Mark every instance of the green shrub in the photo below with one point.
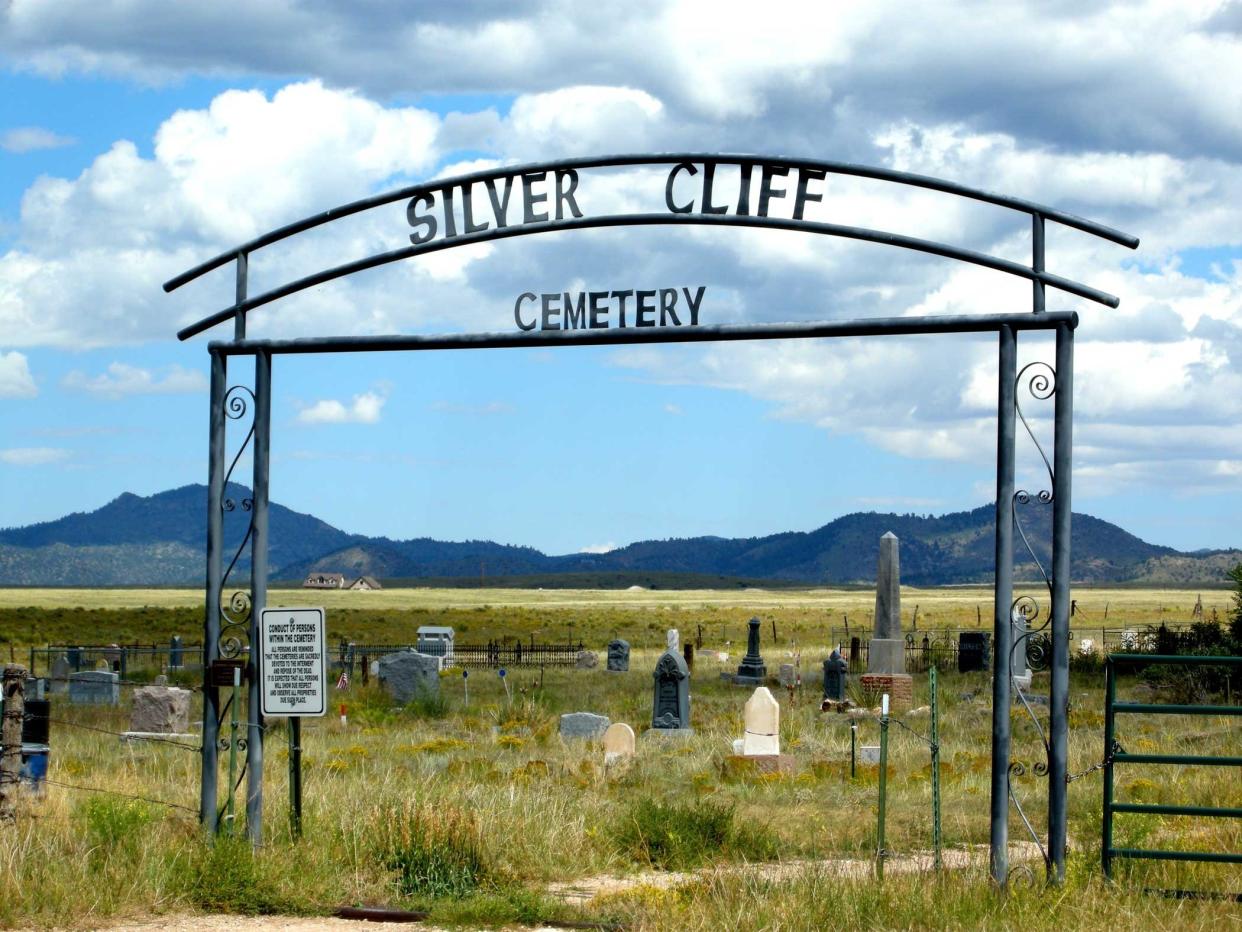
(672, 835)
(114, 824)
(224, 876)
(433, 852)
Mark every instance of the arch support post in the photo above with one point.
(258, 589)
(215, 578)
(1002, 632)
(1058, 704)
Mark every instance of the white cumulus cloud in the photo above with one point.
(362, 409)
(15, 378)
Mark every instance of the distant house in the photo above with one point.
(324, 581)
(365, 582)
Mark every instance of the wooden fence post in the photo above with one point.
(14, 691)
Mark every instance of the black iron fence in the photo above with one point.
(126, 659)
(492, 655)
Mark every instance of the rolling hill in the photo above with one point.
(159, 540)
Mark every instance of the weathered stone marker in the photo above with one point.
(618, 743)
(759, 750)
(1019, 665)
(886, 654)
(407, 674)
(618, 656)
(94, 687)
(61, 668)
(586, 660)
(762, 722)
(836, 673)
(788, 675)
(670, 707)
(584, 725)
(160, 710)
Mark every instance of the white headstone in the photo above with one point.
(618, 743)
(763, 724)
(674, 639)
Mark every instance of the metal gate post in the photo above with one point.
(1007, 375)
(1058, 704)
(215, 575)
(258, 589)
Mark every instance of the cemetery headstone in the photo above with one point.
(836, 673)
(759, 750)
(974, 651)
(586, 660)
(618, 656)
(886, 654)
(61, 668)
(751, 671)
(1018, 665)
(94, 687)
(75, 658)
(869, 753)
(762, 718)
(687, 654)
(855, 655)
(584, 725)
(175, 654)
(618, 743)
(407, 674)
(670, 706)
(160, 710)
(788, 675)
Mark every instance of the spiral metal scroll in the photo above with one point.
(235, 611)
(1041, 381)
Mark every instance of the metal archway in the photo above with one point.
(551, 204)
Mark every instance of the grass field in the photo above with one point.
(802, 617)
(475, 811)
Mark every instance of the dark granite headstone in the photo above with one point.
(175, 661)
(618, 655)
(407, 674)
(836, 671)
(752, 669)
(974, 651)
(670, 707)
(687, 654)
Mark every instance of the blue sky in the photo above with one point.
(137, 139)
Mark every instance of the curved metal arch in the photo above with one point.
(1034, 274)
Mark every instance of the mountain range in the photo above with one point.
(160, 540)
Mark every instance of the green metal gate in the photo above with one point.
(1114, 755)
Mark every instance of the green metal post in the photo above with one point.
(935, 768)
(230, 815)
(1110, 690)
(879, 832)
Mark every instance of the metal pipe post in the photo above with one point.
(1002, 632)
(1058, 702)
(258, 589)
(239, 317)
(1037, 263)
(215, 582)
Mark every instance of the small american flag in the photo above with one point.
(343, 682)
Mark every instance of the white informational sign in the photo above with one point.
(294, 664)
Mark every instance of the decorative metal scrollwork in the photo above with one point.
(235, 613)
(1018, 769)
(1033, 644)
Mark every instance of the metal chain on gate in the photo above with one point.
(1108, 759)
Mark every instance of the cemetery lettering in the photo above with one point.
(596, 310)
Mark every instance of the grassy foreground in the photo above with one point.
(473, 810)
